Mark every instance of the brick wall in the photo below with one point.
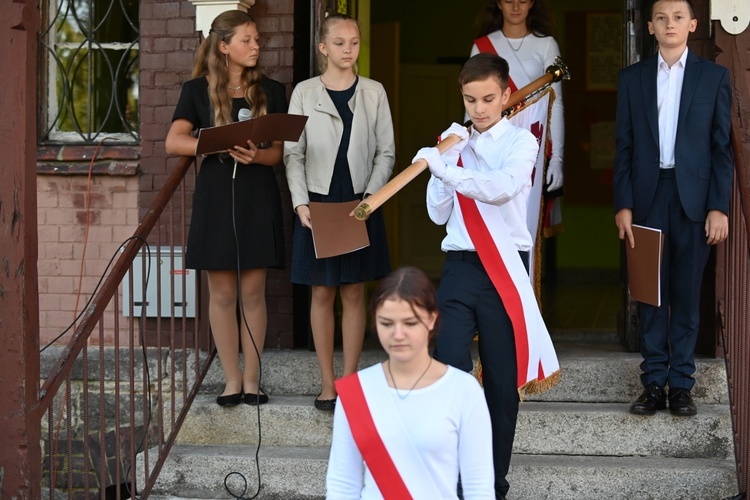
(168, 44)
(62, 217)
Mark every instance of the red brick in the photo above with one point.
(286, 24)
(90, 217)
(166, 10)
(47, 200)
(156, 27)
(180, 27)
(100, 234)
(60, 284)
(71, 268)
(279, 40)
(164, 78)
(48, 233)
(152, 61)
(48, 268)
(71, 234)
(113, 217)
(269, 58)
(58, 250)
(49, 302)
(268, 25)
(279, 6)
(177, 61)
(92, 251)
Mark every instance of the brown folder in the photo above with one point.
(334, 231)
(273, 127)
(644, 264)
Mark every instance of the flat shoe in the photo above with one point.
(255, 399)
(229, 399)
(325, 404)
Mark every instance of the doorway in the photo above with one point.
(581, 272)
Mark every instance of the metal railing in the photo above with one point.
(735, 315)
(113, 406)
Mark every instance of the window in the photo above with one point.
(90, 74)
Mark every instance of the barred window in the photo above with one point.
(90, 74)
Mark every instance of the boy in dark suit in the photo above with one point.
(673, 171)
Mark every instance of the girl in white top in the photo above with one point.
(432, 418)
(521, 30)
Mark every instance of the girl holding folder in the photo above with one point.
(236, 224)
(346, 152)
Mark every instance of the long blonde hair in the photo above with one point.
(211, 63)
(323, 30)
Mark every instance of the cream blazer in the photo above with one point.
(309, 162)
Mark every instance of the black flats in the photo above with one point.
(325, 404)
(229, 399)
(247, 398)
(255, 399)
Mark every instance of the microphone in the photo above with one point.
(243, 115)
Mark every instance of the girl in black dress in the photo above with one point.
(236, 225)
(346, 153)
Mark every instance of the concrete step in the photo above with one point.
(620, 478)
(599, 373)
(597, 429)
(199, 471)
(294, 473)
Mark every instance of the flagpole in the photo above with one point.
(554, 73)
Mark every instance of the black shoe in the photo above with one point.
(653, 398)
(229, 399)
(255, 399)
(681, 403)
(325, 404)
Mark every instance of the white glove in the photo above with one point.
(434, 161)
(554, 176)
(461, 132)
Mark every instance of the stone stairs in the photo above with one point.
(576, 441)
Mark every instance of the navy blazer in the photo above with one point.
(703, 153)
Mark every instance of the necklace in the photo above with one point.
(238, 87)
(333, 87)
(523, 38)
(415, 383)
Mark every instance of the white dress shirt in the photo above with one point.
(505, 155)
(668, 92)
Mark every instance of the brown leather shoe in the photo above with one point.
(653, 398)
(681, 403)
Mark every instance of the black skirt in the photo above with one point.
(244, 213)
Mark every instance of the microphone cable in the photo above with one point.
(244, 114)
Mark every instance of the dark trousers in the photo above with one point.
(669, 333)
(469, 304)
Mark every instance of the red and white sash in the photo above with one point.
(384, 442)
(534, 118)
(538, 367)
